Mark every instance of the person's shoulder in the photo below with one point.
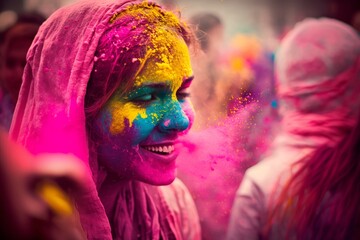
(265, 174)
(263, 170)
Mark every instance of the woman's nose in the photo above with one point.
(175, 119)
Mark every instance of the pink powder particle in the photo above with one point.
(167, 122)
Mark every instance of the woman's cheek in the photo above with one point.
(142, 127)
(123, 113)
(188, 109)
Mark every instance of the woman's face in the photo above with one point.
(139, 130)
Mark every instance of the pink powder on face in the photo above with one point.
(167, 122)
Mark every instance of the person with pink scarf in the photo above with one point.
(318, 74)
(107, 81)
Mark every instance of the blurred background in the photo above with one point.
(234, 69)
(267, 19)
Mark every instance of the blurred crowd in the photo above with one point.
(283, 118)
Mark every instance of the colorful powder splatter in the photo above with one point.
(164, 61)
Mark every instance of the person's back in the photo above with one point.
(317, 68)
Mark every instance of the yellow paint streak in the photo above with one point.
(121, 111)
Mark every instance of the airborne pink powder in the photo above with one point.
(212, 163)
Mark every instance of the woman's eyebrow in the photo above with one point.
(187, 81)
(154, 85)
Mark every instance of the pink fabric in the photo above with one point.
(50, 118)
(153, 212)
(318, 73)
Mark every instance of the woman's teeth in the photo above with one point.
(161, 149)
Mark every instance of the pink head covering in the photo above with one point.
(49, 116)
(318, 73)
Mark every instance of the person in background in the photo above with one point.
(321, 200)
(209, 31)
(38, 193)
(318, 73)
(108, 81)
(15, 42)
(171, 5)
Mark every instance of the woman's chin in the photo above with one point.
(160, 179)
(156, 169)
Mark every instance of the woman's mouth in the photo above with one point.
(164, 152)
(162, 149)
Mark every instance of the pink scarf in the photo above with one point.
(318, 71)
(50, 118)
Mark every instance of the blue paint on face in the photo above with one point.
(164, 114)
(137, 133)
(135, 152)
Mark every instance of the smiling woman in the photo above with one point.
(109, 83)
(136, 130)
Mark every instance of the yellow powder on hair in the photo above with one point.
(168, 61)
(150, 11)
(166, 50)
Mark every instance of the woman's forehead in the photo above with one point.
(168, 60)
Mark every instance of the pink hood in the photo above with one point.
(49, 116)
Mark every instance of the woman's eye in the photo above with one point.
(145, 98)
